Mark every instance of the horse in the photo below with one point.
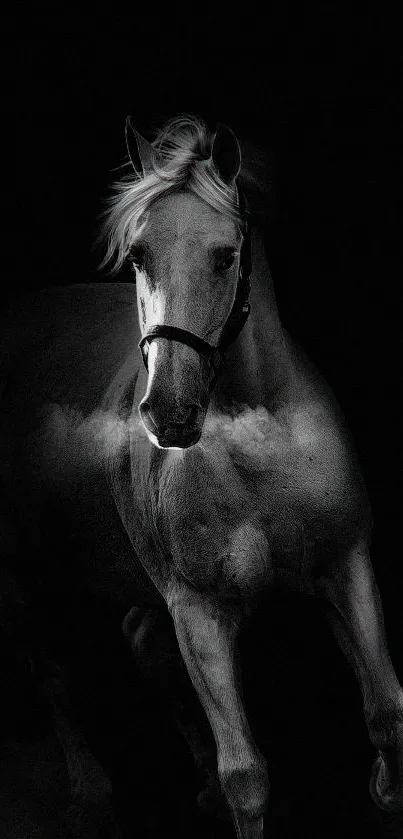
(193, 456)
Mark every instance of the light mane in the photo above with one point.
(182, 163)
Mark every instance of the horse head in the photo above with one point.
(186, 253)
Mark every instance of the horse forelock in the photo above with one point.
(182, 163)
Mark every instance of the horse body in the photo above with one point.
(253, 470)
(174, 496)
(276, 484)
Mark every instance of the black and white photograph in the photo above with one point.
(201, 579)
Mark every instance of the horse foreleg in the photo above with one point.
(356, 617)
(207, 633)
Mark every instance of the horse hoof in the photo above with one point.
(385, 796)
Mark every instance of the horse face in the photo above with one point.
(187, 264)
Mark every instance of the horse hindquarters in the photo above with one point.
(355, 612)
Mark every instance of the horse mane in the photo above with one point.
(182, 162)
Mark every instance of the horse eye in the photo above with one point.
(226, 262)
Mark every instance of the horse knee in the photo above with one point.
(245, 786)
(137, 629)
(150, 637)
(132, 621)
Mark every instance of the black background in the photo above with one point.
(322, 93)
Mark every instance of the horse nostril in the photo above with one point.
(193, 413)
(147, 416)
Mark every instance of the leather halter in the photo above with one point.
(232, 327)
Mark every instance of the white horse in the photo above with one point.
(197, 480)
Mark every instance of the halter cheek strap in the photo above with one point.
(236, 321)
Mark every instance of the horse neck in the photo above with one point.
(258, 368)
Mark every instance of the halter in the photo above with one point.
(234, 324)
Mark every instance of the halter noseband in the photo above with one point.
(236, 320)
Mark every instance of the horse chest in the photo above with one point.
(236, 515)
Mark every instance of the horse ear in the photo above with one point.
(226, 154)
(140, 151)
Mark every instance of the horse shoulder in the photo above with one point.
(324, 470)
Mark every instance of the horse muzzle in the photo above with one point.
(181, 431)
